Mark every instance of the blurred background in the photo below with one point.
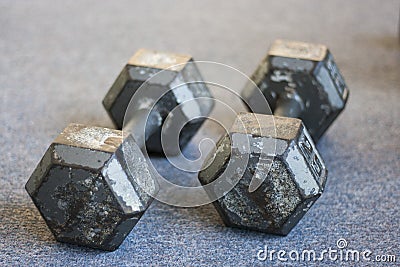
(59, 58)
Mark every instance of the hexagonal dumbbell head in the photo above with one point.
(174, 77)
(301, 80)
(84, 191)
(291, 177)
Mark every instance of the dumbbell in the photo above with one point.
(84, 190)
(300, 80)
(279, 183)
(148, 88)
(93, 184)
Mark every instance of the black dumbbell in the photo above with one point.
(167, 82)
(84, 189)
(277, 187)
(300, 80)
(93, 184)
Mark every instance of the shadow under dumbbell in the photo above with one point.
(24, 224)
(23, 220)
(206, 218)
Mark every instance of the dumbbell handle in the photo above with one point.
(143, 124)
(137, 127)
(288, 106)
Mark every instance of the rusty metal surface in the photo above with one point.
(83, 190)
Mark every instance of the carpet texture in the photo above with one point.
(58, 60)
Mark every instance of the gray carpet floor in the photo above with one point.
(57, 61)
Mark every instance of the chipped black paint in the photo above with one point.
(161, 100)
(282, 198)
(312, 90)
(80, 206)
